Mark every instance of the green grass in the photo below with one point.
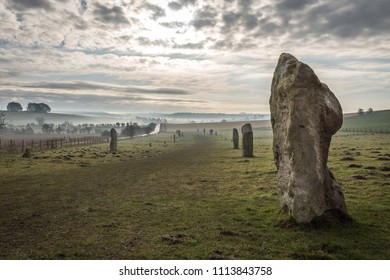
(193, 199)
(375, 120)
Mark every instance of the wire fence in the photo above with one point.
(48, 144)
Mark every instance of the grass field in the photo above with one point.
(193, 199)
(375, 120)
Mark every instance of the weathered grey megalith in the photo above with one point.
(236, 138)
(114, 140)
(247, 140)
(304, 116)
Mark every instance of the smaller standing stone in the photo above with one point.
(236, 138)
(211, 131)
(247, 140)
(27, 153)
(114, 140)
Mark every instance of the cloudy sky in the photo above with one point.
(188, 55)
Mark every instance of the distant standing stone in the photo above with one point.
(211, 131)
(114, 140)
(304, 116)
(236, 138)
(247, 140)
(27, 153)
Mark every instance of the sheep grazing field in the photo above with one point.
(195, 198)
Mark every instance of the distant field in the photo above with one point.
(23, 118)
(374, 120)
(217, 126)
(196, 198)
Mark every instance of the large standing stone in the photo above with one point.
(304, 116)
(247, 140)
(236, 138)
(114, 140)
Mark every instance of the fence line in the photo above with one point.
(48, 144)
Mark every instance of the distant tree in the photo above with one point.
(370, 110)
(38, 108)
(128, 131)
(14, 107)
(40, 121)
(106, 133)
(150, 128)
(47, 128)
(2, 119)
(29, 129)
(360, 111)
(59, 129)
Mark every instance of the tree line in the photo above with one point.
(40, 126)
(31, 107)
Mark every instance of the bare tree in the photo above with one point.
(360, 111)
(370, 110)
(2, 119)
(40, 121)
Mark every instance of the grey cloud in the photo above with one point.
(81, 100)
(144, 41)
(193, 46)
(230, 20)
(245, 17)
(114, 15)
(343, 19)
(22, 5)
(205, 17)
(175, 6)
(83, 6)
(7, 74)
(157, 11)
(246, 4)
(300, 20)
(173, 24)
(82, 85)
(251, 21)
(76, 100)
(294, 5)
(178, 5)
